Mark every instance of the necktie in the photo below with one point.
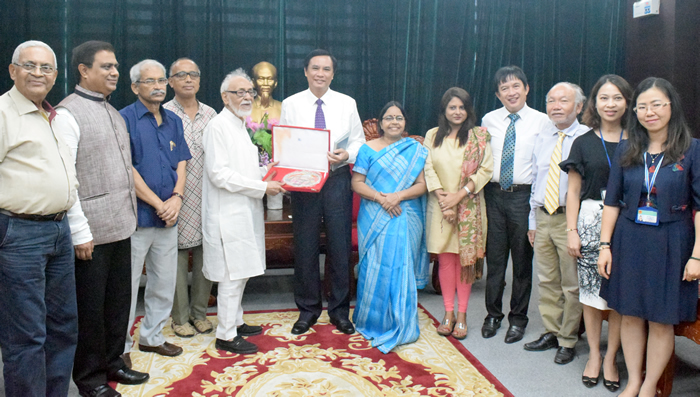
(551, 197)
(320, 120)
(508, 155)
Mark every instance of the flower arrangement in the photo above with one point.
(260, 135)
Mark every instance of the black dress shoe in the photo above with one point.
(100, 391)
(128, 376)
(238, 345)
(545, 342)
(248, 330)
(565, 355)
(343, 325)
(514, 334)
(490, 327)
(302, 326)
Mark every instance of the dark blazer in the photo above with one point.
(677, 186)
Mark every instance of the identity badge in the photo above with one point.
(647, 216)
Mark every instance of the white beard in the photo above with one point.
(239, 113)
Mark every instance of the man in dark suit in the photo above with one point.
(321, 107)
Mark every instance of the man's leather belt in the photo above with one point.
(511, 189)
(559, 210)
(39, 218)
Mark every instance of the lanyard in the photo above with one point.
(605, 148)
(653, 178)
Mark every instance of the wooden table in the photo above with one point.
(279, 245)
(279, 237)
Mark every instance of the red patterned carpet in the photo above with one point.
(322, 362)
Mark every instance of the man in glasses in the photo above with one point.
(38, 315)
(102, 220)
(190, 313)
(321, 107)
(159, 154)
(232, 214)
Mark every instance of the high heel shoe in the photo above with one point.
(589, 381)
(611, 385)
(446, 327)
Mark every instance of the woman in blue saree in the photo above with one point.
(388, 175)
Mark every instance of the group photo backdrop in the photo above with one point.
(405, 50)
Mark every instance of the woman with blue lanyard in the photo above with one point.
(649, 245)
(588, 167)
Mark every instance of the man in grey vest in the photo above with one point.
(101, 221)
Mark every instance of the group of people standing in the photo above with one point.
(90, 195)
(606, 233)
(112, 190)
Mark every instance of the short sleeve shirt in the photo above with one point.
(587, 157)
(156, 151)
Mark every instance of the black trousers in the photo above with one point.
(507, 234)
(103, 290)
(332, 206)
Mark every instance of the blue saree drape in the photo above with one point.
(393, 255)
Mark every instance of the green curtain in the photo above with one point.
(405, 50)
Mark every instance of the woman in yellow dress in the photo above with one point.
(458, 166)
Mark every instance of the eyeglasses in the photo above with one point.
(30, 67)
(643, 108)
(161, 81)
(183, 75)
(241, 93)
(389, 119)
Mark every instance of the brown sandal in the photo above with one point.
(445, 329)
(460, 331)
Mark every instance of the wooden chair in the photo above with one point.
(690, 331)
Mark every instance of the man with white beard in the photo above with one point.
(232, 211)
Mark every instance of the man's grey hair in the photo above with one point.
(580, 98)
(29, 44)
(172, 65)
(135, 72)
(236, 73)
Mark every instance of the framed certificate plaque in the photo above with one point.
(302, 155)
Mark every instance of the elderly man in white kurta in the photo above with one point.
(232, 211)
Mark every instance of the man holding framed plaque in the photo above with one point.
(322, 108)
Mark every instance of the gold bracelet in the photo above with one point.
(603, 247)
(375, 197)
(572, 230)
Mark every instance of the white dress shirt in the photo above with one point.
(544, 147)
(527, 127)
(339, 110)
(70, 131)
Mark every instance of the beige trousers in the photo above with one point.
(558, 279)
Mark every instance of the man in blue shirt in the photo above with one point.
(159, 154)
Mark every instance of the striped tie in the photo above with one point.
(508, 156)
(320, 119)
(551, 197)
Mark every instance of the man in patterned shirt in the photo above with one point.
(190, 315)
